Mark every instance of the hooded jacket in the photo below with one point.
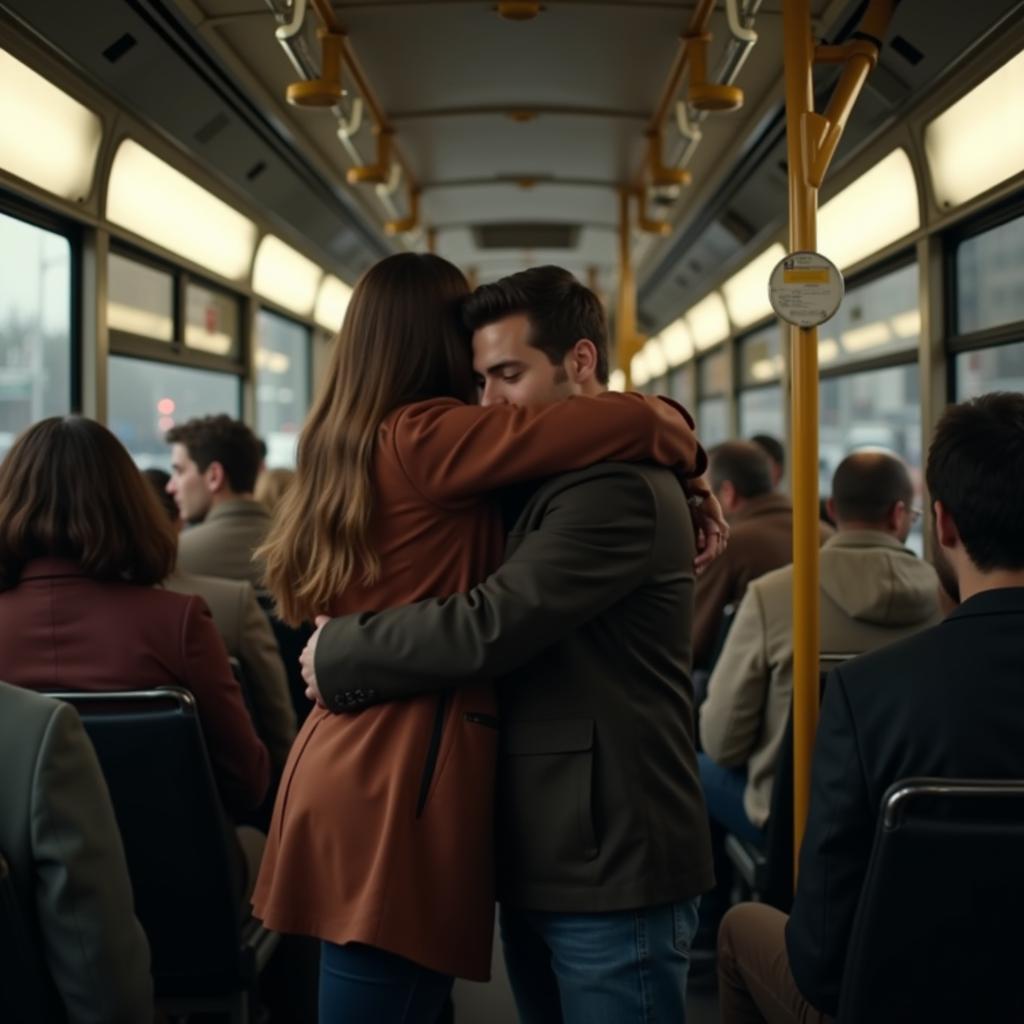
(873, 591)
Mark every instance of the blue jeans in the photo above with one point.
(628, 967)
(359, 983)
(723, 793)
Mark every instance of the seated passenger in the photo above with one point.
(214, 463)
(247, 635)
(945, 703)
(761, 537)
(873, 591)
(271, 485)
(83, 956)
(82, 542)
(772, 447)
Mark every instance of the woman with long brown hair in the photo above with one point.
(381, 842)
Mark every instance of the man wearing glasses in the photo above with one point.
(873, 591)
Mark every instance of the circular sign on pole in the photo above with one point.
(805, 289)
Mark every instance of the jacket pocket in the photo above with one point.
(547, 780)
(433, 749)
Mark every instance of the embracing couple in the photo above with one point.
(506, 553)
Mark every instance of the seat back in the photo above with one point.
(290, 641)
(183, 856)
(937, 930)
(20, 985)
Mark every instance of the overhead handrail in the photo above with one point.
(389, 187)
(375, 173)
(294, 25)
(811, 141)
(409, 222)
(661, 175)
(326, 90)
(349, 126)
(650, 225)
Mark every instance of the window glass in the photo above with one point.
(873, 409)
(990, 369)
(35, 326)
(762, 412)
(211, 320)
(148, 398)
(713, 421)
(876, 318)
(990, 278)
(713, 374)
(282, 385)
(140, 299)
(680, 385)
(761, 355)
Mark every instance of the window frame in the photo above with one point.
(19, 208)
(175, 351)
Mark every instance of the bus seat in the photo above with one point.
(183, 857)
(937, 930)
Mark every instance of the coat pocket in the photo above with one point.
(547, 771)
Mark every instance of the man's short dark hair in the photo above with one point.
(560, 309)
(772, 447)
(742, 464)
(866, 485)
(976, 469)
(225, 440)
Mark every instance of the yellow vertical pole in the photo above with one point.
(803, 215)
(625, 314)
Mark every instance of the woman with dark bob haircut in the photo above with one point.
(82, 543)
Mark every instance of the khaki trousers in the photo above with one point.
(755, 984)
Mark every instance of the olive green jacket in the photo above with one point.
(587, 626)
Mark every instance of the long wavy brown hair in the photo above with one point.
(402, 341)
(69, 489)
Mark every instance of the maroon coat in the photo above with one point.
(61, 630)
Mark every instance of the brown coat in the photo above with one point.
(384, 823)
(761, 540)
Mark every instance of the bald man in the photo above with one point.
(873, 591)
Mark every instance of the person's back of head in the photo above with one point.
(271, 487)
(158, 479)
(975, 477)
(772, 447)
(566, 319)
(402, 341)
(224, 445)
(739, 472)
(69, 489)
(872, 490)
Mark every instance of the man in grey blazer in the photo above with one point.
(82, 956)
(214, 464)
(603, 840)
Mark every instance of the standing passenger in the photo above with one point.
(382, 838)
(603, 836)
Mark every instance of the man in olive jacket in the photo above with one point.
(603, 839)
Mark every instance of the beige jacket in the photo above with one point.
(247, 635)
(223, 543)
(84, 957)
(873, 592)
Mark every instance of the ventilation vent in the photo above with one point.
(212, 128)
(526, 236)
(906, 49)
(117, 49)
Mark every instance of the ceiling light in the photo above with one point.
(48, 138)
(708, 322)
(638, 372)
(746, 292)
(331, 303)
(617, 381)
(676, 343)
(889, 191)
(978, 142)
(285, 276)
(157, 202)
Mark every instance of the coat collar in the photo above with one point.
(50, 567)
(865, 539)
(764, 505)
(248, 507)
(1003, 601)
